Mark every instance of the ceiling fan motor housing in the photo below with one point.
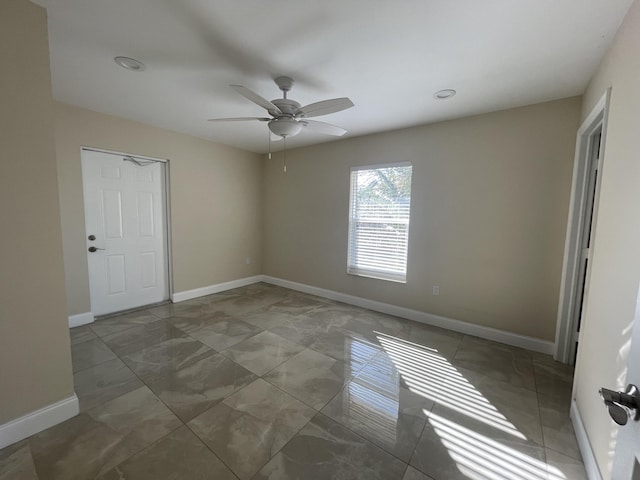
(286, 106)
(285, 124)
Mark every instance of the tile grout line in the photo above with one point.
(366, 440)
(97, 364)
(339, 422)
(544, 437)
(318, 412)
(182, 423)
(260, 377)
(186, 424)
(115, 398)
(340, 390)
(144, 385)
(207, 446)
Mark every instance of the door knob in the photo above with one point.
(94, 249)
(621, 405)
(91, 237)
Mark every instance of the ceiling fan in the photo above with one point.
(288, 118)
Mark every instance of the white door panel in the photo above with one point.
(148, 274)
(124, 209)
(112, 213)
(116, 274)
(146, 221)
(627, 454)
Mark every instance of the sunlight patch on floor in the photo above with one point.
(477, 456)
(431, 375)
(483, 458)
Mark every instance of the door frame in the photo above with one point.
(596, 122)
(165, 165)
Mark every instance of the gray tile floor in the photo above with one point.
(262, 382)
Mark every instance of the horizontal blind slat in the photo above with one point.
(379, 230)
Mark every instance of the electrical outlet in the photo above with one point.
(436, 290)
(248, 260)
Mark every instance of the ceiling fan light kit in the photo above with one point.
(288, 117)
(285, 127)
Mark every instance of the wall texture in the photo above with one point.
(615, 270)
(215, 200)
(490, 198)
(35, 360)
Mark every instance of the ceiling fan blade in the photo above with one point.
(255, 98)
(322, 127)
(325, 107)
(239, 119)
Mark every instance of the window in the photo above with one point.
(379, 221)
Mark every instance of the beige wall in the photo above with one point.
(215, 200)
(35, 361)
(615, 273)
(489, 210)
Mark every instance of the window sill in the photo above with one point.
(377, 276)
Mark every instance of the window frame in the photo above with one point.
(373, 273)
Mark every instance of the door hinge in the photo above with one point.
(575, 337)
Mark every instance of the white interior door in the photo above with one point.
(627, 457)
(585, 242)
(125, 227)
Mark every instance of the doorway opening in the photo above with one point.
(127, 227)
(580, 226)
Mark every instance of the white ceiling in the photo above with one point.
(388, 56)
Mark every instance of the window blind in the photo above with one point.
(380, 207)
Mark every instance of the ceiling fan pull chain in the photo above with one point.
(284, 155)
(269, 140)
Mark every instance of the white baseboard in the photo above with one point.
(80, 319)
(588, 458)
(211, 289)
(502, 336)
(488, 333)
(34, 422)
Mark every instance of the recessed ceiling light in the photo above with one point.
(130, 64)
(444, 94)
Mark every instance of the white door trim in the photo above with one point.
(124, 154)
(165, 166)
(595, 121)
(167, 226)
